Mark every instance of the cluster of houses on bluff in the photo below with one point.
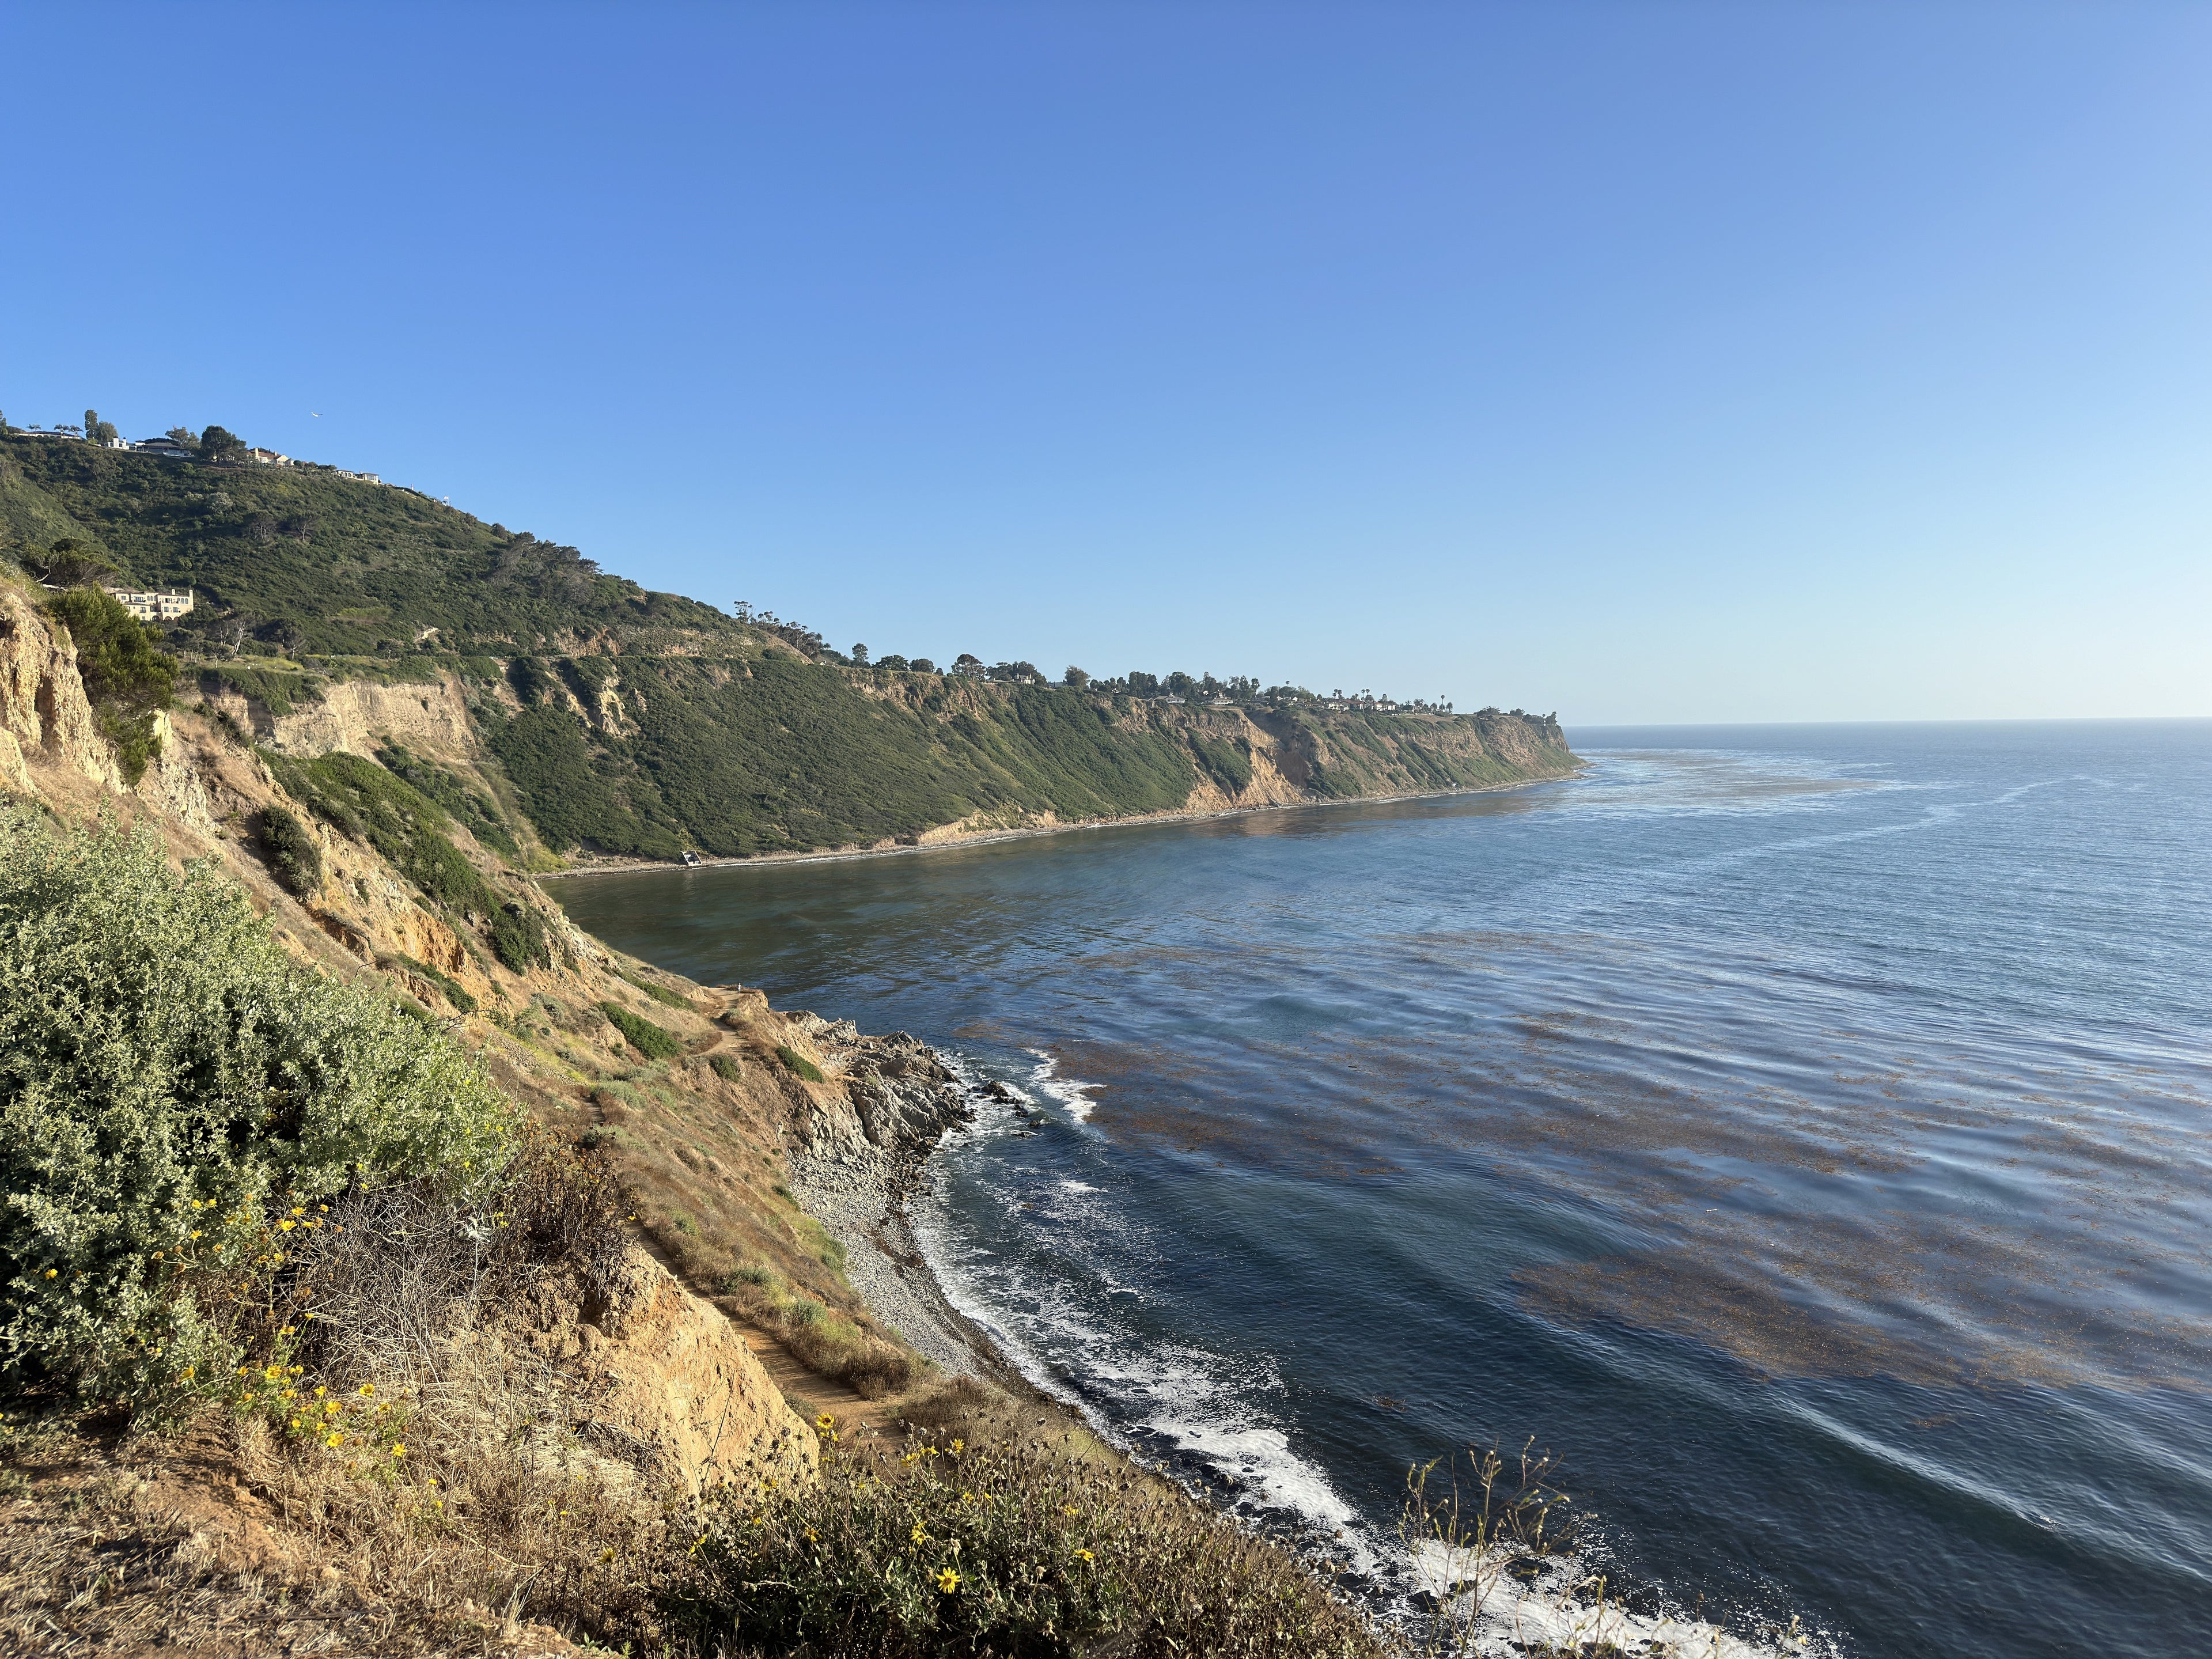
(175, 449)
(164, 604)
(161, 604)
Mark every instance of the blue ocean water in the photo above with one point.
(1800, 1130)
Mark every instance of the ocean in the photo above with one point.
(1800, 1131)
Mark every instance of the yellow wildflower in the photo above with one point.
(947, 1580)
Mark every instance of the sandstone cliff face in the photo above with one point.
(671, 1373)
(673, 1388)
(354, 715)
(44, 712)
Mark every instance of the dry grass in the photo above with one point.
(147, 1547)
(400, 1448)
(935, 1548)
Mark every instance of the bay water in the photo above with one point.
(1802, 1131)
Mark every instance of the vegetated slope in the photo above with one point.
(395, 1358)
(346, 565)
(734, 757)
(618, 722)
(769, 753)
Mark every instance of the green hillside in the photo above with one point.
(353, 567)
(620, 721)
(773, 753)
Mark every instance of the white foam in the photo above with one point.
(988, 1113)
(1067, 1091)
(1565, 1607)
(1212, 1410)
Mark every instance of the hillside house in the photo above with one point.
(168, 448)
(268, 458)
(154, 605)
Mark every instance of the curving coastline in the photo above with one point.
(945, 840)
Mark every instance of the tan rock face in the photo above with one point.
(43, 710)
(353, 715)
(174, 785)
(672, 1370)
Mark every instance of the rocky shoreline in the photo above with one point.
(859, 1162)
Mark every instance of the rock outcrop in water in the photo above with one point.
(898, 1097)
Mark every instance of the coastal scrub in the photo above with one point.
(799, 1064)
(934, 1546)
(177, 1098)
(653, 1042)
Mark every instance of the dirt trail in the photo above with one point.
(810, 1394)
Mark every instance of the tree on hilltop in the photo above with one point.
(860, 656)
(184, 435)
(218, 445)
(1075, 678)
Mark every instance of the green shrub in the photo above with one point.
(279, 692)
(176, 1098)
(469, 806)
(728, 1067)
(449, 988)
(519, 938)
(368, 803)
(127, 681)
(801, 1065)
(290, 851)
(373, 805)
(643, 1035)
(1230, 764)
(659, 994)
(937, 1547)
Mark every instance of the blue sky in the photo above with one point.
(1647, 362)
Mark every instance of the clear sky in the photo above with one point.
(1646, 362)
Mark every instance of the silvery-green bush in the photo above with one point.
(178, 1098)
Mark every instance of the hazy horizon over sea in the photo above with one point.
(1798, 1129)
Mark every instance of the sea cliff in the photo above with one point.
(672, 1336)
(600, 722)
